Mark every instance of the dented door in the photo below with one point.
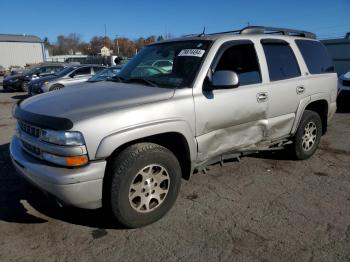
(232, 119)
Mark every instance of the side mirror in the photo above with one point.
(72, 75)
(225, 79)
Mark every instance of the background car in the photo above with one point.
(71, 75)
(105, 74)
(19, 81)
(2, 71)
(344, 90)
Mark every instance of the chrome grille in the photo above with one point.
(32, 149)
(29, 129)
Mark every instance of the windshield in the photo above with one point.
(171, 65)
(104, 74)
(31, 71)
(65, 71)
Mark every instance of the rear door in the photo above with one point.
(286, 86)
(230, 119)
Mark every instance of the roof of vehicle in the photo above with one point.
(20, 38)
(272, 32)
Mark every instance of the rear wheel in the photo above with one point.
(308, 136)
(142, 185)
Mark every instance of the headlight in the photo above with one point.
(46, 83)
(64, 138)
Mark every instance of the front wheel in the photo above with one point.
(142, 184)
(308, 136)
(24, 87)
(56, 87)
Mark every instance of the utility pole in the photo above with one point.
(105, 35)
(116, 37)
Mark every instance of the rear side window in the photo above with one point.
(280, 59)
(315, 56)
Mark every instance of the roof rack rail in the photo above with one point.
(276, 30)
(263, 30)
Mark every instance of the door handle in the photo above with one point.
(300, 89)
(261, 97)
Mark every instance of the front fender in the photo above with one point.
(132, 133)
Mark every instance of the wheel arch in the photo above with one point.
(180, 141)
(318, 104)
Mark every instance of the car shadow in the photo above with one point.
(20, 97)
(273, 155)
(16, 194)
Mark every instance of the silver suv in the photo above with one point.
(125, 144)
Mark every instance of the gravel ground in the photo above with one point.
(264, 208)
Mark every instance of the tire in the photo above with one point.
(24, 87)
(307, 137)
(142, 184)
(56, 87)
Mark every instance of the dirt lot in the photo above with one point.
(265, 208)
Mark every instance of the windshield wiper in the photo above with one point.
(142, 80)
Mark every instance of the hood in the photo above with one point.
(43, 79)
(12, 77)
(86, 101)
(346, 76)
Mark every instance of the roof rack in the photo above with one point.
(265, 30)
(276, 30)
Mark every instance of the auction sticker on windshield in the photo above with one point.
(192, 52)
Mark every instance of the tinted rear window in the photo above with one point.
(315, 56)
(280, 59)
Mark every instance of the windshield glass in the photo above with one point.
(172, 64)
(31, 71)
(64, 71)
(104, 74)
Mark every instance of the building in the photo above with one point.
(105, 51)
(19, 50)
(339, 50)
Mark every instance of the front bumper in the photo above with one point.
(79, 187)
(11, 85)
(343, 94)
(34, 89)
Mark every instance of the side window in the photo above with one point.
(57, 69)
(280, 59)
(97, 69)
(241, 59)
(82, 71)
(315, 56)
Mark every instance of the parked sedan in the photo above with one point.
(105, 74)
(19, 81)
(69, 76)
(344, 89)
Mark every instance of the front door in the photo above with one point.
(78, 76)
(235, 118)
